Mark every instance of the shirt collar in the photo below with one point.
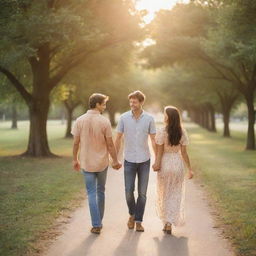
(92, 111)
(143, 112)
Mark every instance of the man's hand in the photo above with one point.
(76, 165)
(116, 165)
(156, 167)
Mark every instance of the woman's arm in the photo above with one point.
(187, 161)
(159, 155)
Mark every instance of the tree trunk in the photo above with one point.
(69, 122)
(212, 119)
(112, 118)
(14, 117)
(70, 106)
(196, 116)
(226, 117)
(39, 104)
(250, 142)
(38, 142)
(207, 119)
(201, 119)
(112, 112)
(227, 102)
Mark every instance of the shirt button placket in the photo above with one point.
(136, 136)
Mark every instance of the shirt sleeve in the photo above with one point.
(159, 137)
(108, 130)
(76, 129)
(120, 126)
(152, 127)
(184, 138)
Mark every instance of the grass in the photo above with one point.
(34, 192)
(229, 174)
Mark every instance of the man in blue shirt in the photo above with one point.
(136, 125)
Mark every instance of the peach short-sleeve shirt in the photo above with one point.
(93, 128)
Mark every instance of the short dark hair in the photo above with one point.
(137, 95)
(97, 98)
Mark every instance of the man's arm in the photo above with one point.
(153, 142)
(118, 142)
(152, 133)
(112, 152)
(76, 143)
(120, 132)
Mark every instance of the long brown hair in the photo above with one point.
(173, 127)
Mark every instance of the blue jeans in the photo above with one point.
(95, 186)
(131, 170)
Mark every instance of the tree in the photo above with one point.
(207, 34)
(234, 57)
(188, 91)
(55, 37)
(11, 99)
(100, 72)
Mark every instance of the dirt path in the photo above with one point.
(196, 238)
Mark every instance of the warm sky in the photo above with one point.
(152, 6)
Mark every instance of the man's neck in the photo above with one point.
(137, 113)
(95, 109)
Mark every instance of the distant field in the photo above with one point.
(234, 126)
(13, 142)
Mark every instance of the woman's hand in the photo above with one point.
(190, 174)
(156, 167)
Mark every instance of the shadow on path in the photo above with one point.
(129, 244)
(171, 246)
(85, 246)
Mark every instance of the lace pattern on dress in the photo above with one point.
(170, 181)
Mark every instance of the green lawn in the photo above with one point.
(33, 191)
(229, 174)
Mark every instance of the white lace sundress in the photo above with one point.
(170, 180)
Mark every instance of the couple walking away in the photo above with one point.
(93, 140)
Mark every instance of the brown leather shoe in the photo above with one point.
(96, 230)
(139, 227)
(131, 222)
(168, 229)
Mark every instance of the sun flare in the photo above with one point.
(153, 6)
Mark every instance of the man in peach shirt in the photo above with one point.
(93, 135)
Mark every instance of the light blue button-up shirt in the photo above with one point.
(136, 149)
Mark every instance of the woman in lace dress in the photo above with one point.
(171, 154)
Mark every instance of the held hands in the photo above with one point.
(76, 165)
(116, 165)
(156, 167)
